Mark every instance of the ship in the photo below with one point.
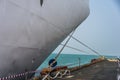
(31, 29)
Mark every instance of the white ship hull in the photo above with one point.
(29, 32)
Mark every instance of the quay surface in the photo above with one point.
(105, 70)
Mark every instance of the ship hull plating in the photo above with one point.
(29, 32)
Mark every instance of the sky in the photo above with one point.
(100, 31)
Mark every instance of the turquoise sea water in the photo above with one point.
(68, 59)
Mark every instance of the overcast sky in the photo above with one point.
(100, 31)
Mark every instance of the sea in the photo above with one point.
(70, 60)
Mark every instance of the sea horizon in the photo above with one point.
(67, 59)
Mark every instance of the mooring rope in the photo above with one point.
(87, 46)
(17, 75)
(59, 54)
(75, 49)
(64, 45)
